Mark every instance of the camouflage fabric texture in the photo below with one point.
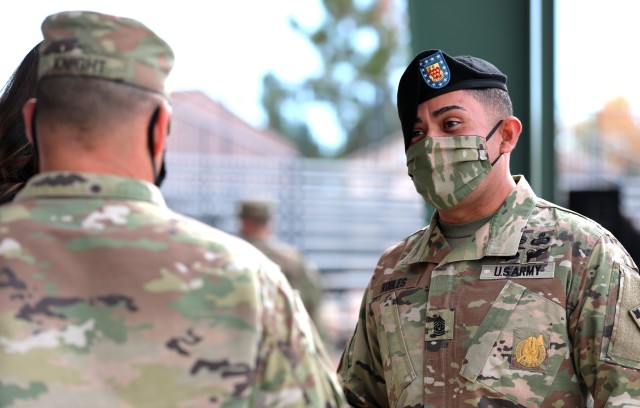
(539, 309)
(83, 43)
(108, 298)
(445, 170)
(301, 274)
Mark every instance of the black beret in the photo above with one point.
(433, 73)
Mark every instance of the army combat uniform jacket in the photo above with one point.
(302, 275)
(110, 299)
(541, 308)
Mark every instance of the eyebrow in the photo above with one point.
(442, 110)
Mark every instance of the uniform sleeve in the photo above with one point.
(295, 370)
(310, 288)
(360, 367)
(606, 326)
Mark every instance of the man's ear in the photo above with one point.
(511, 129)
(28, 113)
(161, 129)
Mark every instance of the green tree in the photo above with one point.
(361, 44)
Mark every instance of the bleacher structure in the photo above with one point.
(342, 214)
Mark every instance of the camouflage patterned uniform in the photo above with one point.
(256, 216)
(108, 298)
(539, 309)
(302, 275)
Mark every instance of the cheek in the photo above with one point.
(416, 139)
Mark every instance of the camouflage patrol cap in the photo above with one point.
(255, 209)
(433, 73)
(90, 44)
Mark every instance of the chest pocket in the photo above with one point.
(401, 334)
(519, 346)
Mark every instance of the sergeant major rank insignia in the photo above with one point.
(434, 70)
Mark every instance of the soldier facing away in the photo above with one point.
(505, 299)
(256, 217)
(109, 298)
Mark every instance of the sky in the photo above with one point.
(597, 56)
(223, 48)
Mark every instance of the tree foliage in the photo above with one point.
(360, 44)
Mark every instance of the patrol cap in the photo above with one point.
(433, 73)
(90, 44)
(255, 209)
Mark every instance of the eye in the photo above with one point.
(417, 135)
(450, 123)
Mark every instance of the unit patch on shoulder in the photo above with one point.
(435, 71)
(625, 336)
(635, 314)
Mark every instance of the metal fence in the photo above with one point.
(342, 214)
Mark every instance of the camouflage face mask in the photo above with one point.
(446, 169)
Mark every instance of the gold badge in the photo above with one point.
(531, 352)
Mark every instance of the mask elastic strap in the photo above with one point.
(494, 162)
(34, 138)
(151, 141)
(489, 137)
(493, 130)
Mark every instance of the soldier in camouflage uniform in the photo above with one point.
(255, 216)
(505, 299)
(107, 297)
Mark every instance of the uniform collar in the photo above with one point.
(500, 236)
(57, 184)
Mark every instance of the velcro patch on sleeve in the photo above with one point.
(635, 314)
(625, 339)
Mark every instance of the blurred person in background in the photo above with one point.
(504, 299)
(108, 297)
(256, 221)
(17, 161)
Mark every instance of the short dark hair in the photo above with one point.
(88, 102)
(496, 101)
(17, 158)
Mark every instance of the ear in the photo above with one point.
(161, 130)
(28, 111)
(511, 129)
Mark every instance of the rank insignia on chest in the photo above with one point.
(529, 351)
(440, 324)
(434, 70)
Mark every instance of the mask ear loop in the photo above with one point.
(151, 142)
(489, 137)
(34, 138)
(494, 130)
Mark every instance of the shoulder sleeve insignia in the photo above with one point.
(635, 314)
(624, 345)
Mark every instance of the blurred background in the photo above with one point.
(293, 101)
